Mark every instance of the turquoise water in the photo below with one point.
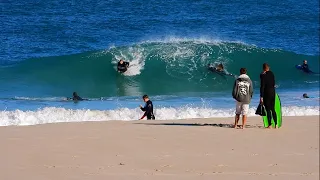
(50, 49)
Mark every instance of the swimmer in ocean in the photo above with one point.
(76, 97)
(219, 69)
(122, 66)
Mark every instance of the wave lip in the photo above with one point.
(58, 115)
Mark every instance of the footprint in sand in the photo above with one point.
(306, 174)
(166, 166)
(271, 165)
(295, 154)
(49, 166)
(255, 174)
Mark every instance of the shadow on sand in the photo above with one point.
(199, 124)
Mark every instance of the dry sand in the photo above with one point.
(181, 149)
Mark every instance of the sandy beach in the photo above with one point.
(180, 149)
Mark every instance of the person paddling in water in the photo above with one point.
(305, 67)
(219, 69)
(122, 66)
(76, 97)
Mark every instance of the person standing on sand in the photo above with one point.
(268, 93)
(242, 93)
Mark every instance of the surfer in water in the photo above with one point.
(305, 67)
(218, 68)
(305, 95)
(76, 97)
(122, 66)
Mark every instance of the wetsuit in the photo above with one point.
(77, 98)
(305, 68)
(268, 93)
(148, 109)
(123, 67)
(221, 71)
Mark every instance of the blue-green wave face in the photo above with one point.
(157, 68)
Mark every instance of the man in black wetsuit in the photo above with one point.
(305, 67)
(122, 66)
(268, 93)
(76, 97)
(219, 69)
(148, 108)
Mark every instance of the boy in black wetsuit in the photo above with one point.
(122, 66)
(148, 108)
(268, 93)
(76, 97)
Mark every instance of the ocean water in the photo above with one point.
(50, 49)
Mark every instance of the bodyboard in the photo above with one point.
(277, 106)
(298, 67)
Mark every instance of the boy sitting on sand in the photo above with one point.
(242, 93)
(148, 108)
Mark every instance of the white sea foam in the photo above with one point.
(196, 40)
(55, 115)
(180, 54)
(40, 99)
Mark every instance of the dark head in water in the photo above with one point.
(121, 61)
(305, 62)
(305, 95)
(220, 67)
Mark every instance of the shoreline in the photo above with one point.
(169, 149)
(167, 120)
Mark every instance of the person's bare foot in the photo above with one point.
(235, 126)
(243, 126)
(269, 127)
